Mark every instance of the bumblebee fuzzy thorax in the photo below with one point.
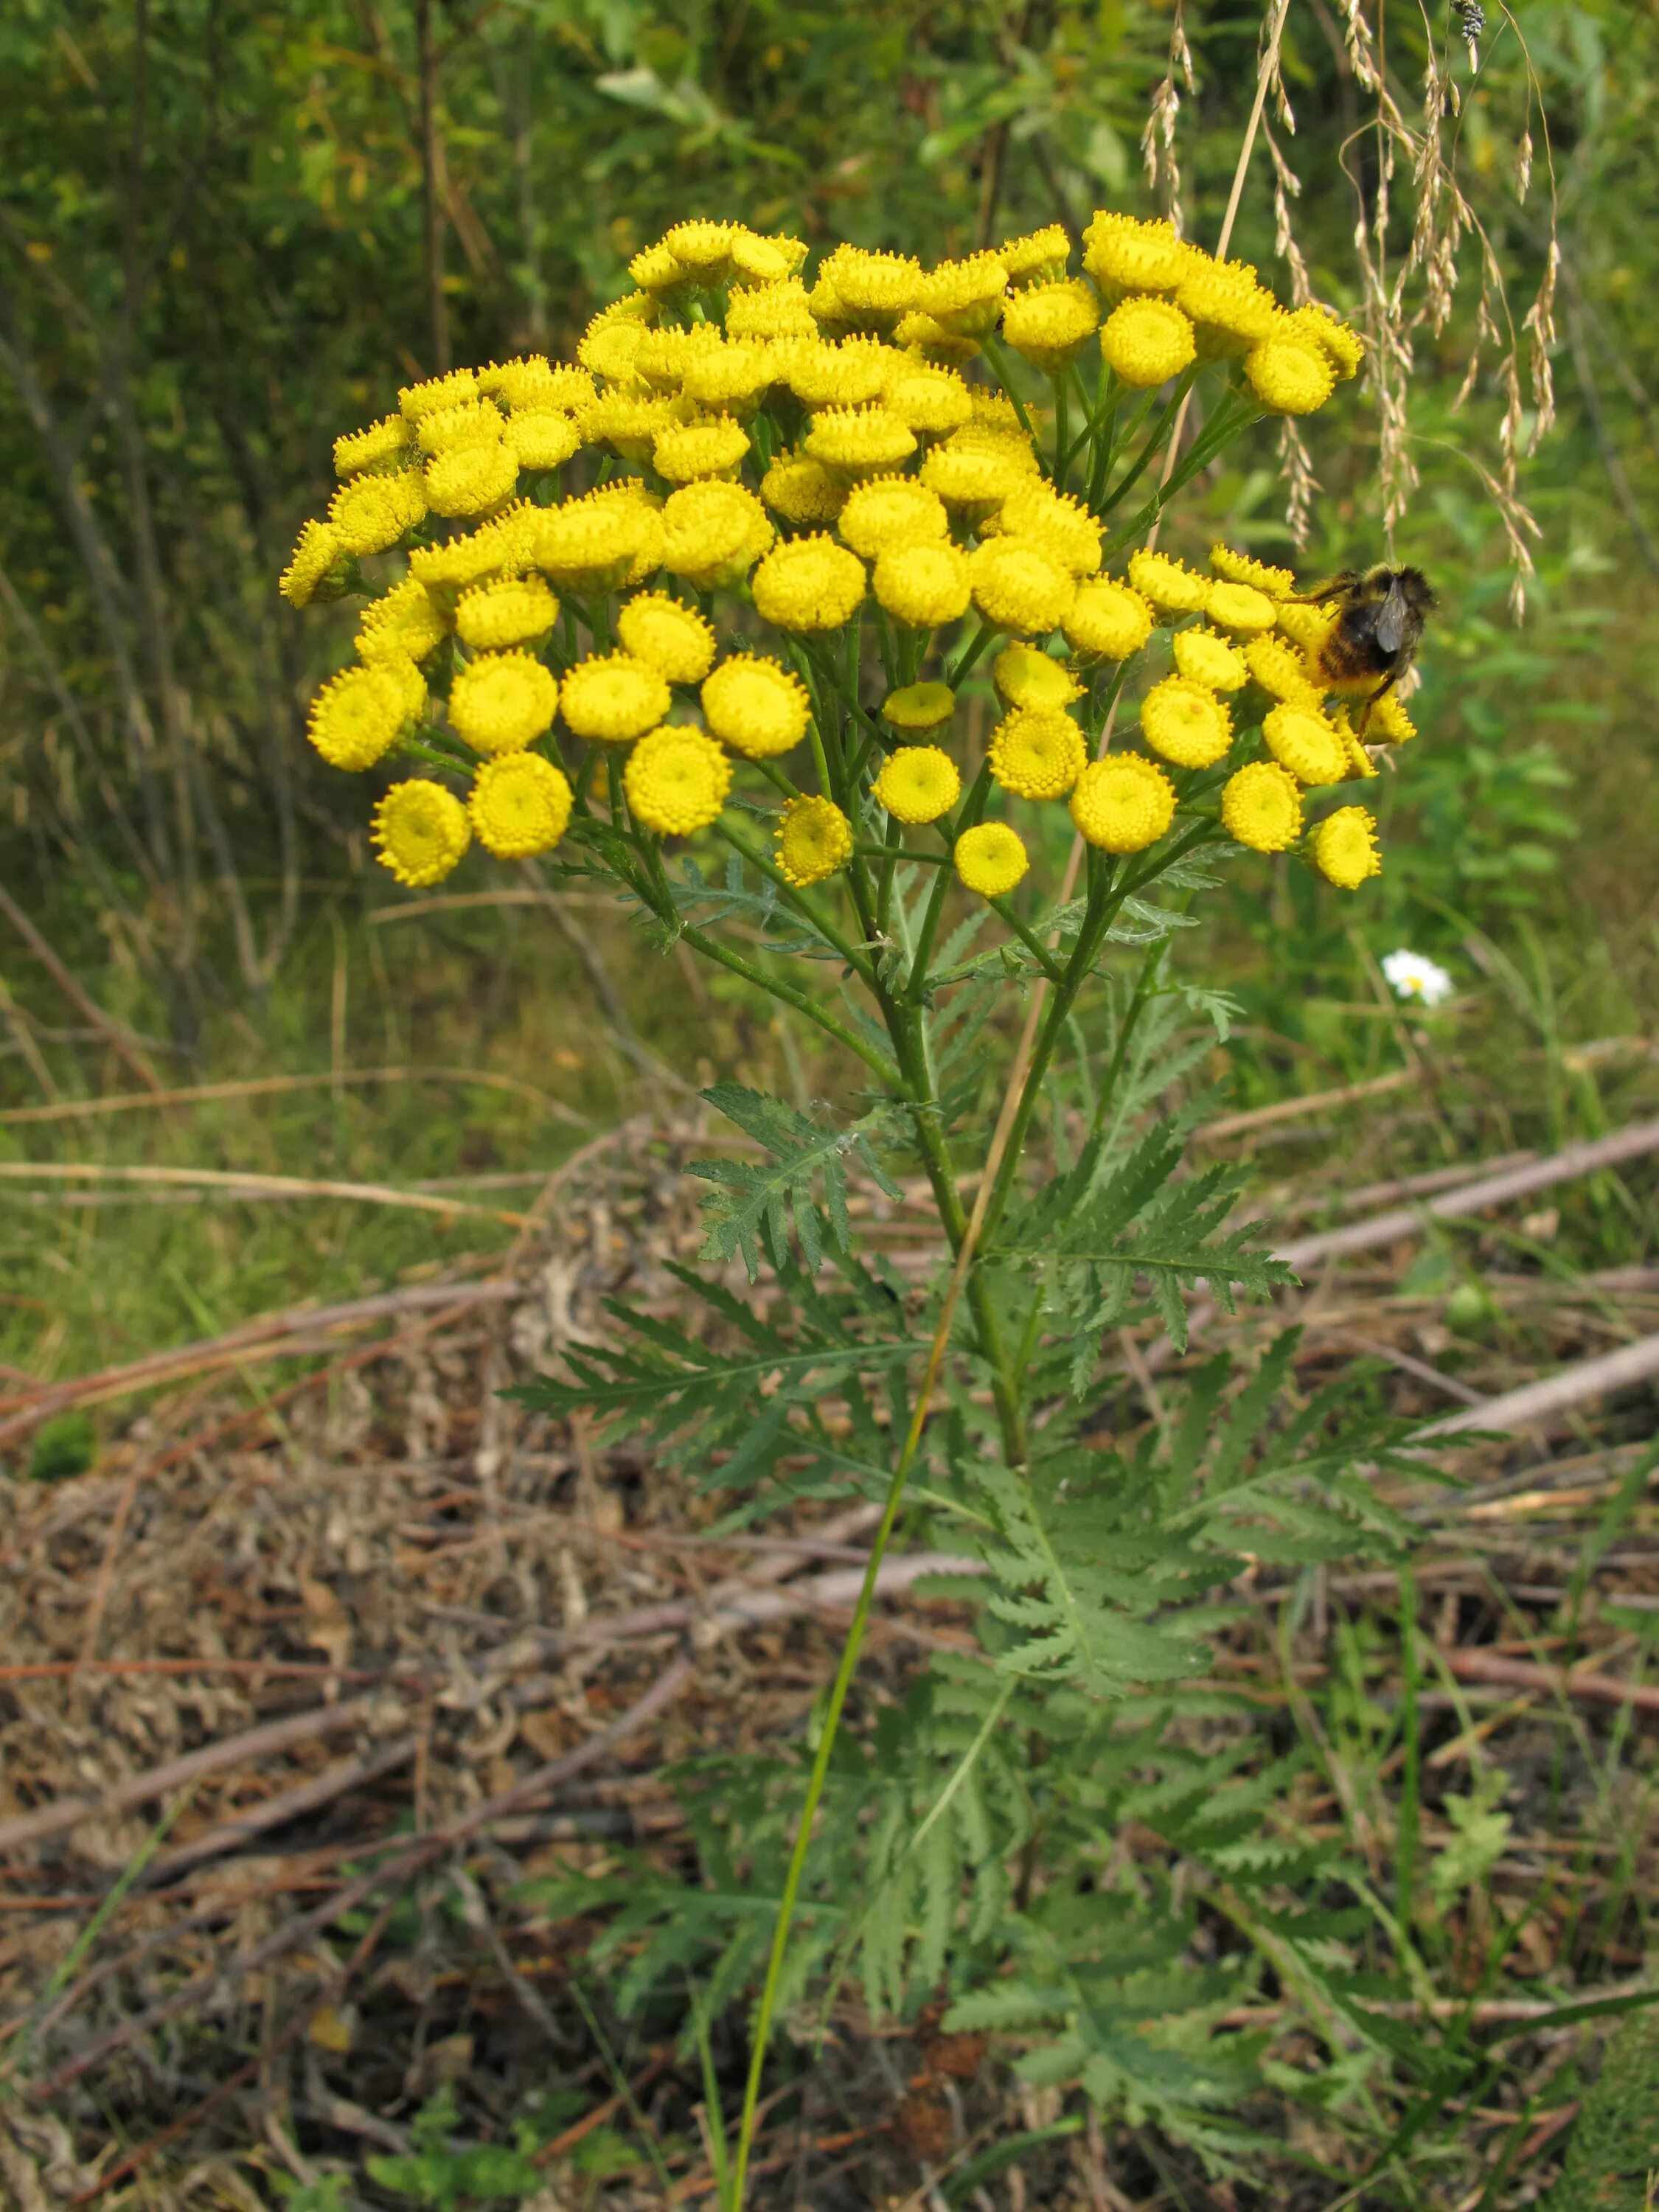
(1378, 628)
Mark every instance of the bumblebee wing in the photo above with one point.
(1391, 619)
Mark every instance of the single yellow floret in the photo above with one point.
(814, 839)
(1123, 804)
(1037, 752)
(966, 296)
(471, 479)
(713, 532)
(516, 612)
(406, 624)
(690, 451)
(809, 584)
(629, 422)
(358, 716)
(756, 705)
(1389, 724)
(1125, 255)
(502, 701)
(611, 697)
(1290, 376)
(1185, 722)
(610, 349)
(1342, 345)
(972, 478)
(701, 248)
(929, 401)
(416, 401)
(448, 568)
(1229, 309)
(874, 290)
(1168, 584)
(657, 270)
(591, 544)
(1108, 621)
(1063, 524)
(931, 341)
(1051, 324)
(990, 859)
(1204, 658)
(1024, 676)
(531, 381)
(802, 491)
(1300, 739)
(1345, 848)
(1019, 586)
(729, 379)
(370, 513)
(1147, 342)
(1244, 569)
(1261, 807)
(918, 783)
(519, 804)
(771, 312)
(318, 551)
(421, 831)
(923, 584)
(667, 635)
(677, 778)
(468, 422)
(887, 511)
(384, 440)
(541, 438)
(1281, 670)
(857, 442)
(918, 709)
(1038, 257)
(848, 372)
(1240, 608)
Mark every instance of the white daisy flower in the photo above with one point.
(1412, 976)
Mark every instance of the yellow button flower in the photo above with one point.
(874, 290)
(358, 716)
(931, 341)
(1361, 767)
(972, 478)
(1026, 677)
(610, 349)
(416, 401)
(1242, 569)
(1261, 807)
(1147, 342)
(966, 296)
(665, 355)
(1240, 608)
(1345, 848)
(809, 584)
(677, 778)
(1019, 587)
(803, 491)
(1229, 309)
(887, 511)
(1204, 658)
(858, 442)
(1169, 583)
(517, 611)
(407, 623)
(519, 804)
(447, 569)
(1123, 804)
(541, 438)
(814, 839)
(756, 705)
(1037, 752)
(317, 552)
(1063, 524)
(702, 249)
(629, 423)
(502, 701)
(384, 440)
(918, 783)
(996, 429)
(1051, 324)
(927, 400)
(421, 831)
(1290, 376)
(370, 513)
(774, 311)
(469, 422)
(918, 709)
(688, 450)
(1185, 722)
(728, 378)
(923, 584)
(611, 697)
(1389, 724)
(590, 546)
(1124, 255)
(847, 373)
(1039, 256)
(764, 260)
(1281, 670)
(1300, 739)
(656, 269)
(713, 532)
(1108, 621)
(1342, 346)
(530, 381)
(990, 859)
(471, 479)
(667, 635)
(1306, 626)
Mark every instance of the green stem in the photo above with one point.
(831, 935)
(786, 994)
(970, 654)
(1034, 944)
(999, 361)
(1155, 438)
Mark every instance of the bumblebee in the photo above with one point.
(1379, 627)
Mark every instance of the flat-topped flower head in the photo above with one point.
(1019, 586)
(1240, 608)
(814, 840)
(917, 709)
(676, 779)
(756, 705)
(609, 347)
(1108, 621)
(1148, 341)
(809, 584)
(887, 511)
(1024, 676)
(449, 569)
(591, 545)
(629, 422)
(388, 440)
(655, 269)
(1170, 586)
(519, 804)
(667, 635)
(966, 296)
(1281, 670)
(468, 422)
(1304, 625)
(1061, 524)
(990, 859)
(531, 381)
(1037, 752)
(929, 401)
(370, 513)
(773, 312)
(1229, 307)
(1123, 254)
(469, 480)
(761, 260)
(1302, 740)
(923, 583)
(802, 491)
(517, 610)
(1342, 345)
(859, 441)
(1204, 658)
(686, 452)
(1345, 849)
(1261, 807)
(703, 249)
(1123, 803)
(1290, 376)
(611, 697)
(1186, 723)
(541, 438)
(421, 830)
(502, 701)
(1389, 724)
(1039, 256)
(845, 373)
(975, 479)
(874, 290)
(713, 533)
(927, 339)
(1242, 568)
(317, 567)
(358, 716)
(667, 353)
(407, 623)
(918, 783)
(416, 401)
(729, 379)
(1051, 324)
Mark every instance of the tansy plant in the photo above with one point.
(694, 617)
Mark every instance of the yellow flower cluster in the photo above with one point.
(823, 449)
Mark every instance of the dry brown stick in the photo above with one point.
(1535, 1402)
(106, 1026)
(1310, 1102)
(321, 1789)
(1477, 1666)
(244, 1179)
(267, 1086)
(212, 1758)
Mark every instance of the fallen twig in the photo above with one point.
(1535, 1402)
(1478, 1666)
(236, 1180)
